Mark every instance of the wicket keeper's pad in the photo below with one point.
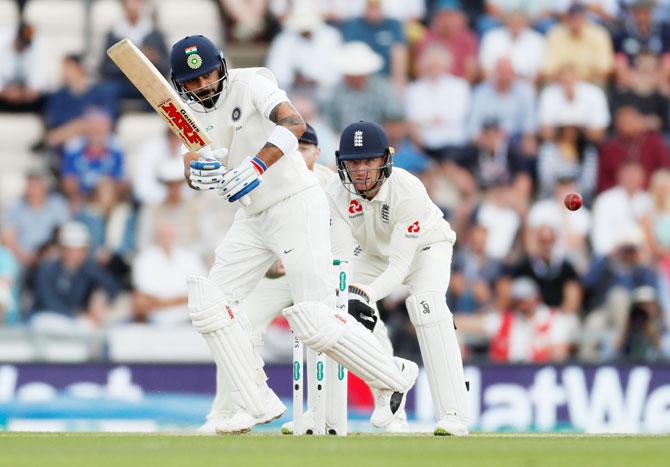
(348, 342)
(441, 355)
(229, 342)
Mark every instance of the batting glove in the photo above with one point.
(360, 300)
(237, 182)
(207, 173)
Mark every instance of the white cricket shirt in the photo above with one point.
(392, 227)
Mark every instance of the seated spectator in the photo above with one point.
(407, 155)
(473, 274)
(639, 34)
(151, 155)
(569, 153)
(161, 298)
(384, 36)
(516, 41)
(437, 105)
(138, 26)
(23, 75)
(247, 18)
(580, 44)
(573, 102)
(604, 12)
(29, 223)
(656, 223)
(641, 337)
(548, 267)
(111, 223)
(498, 212)
(631, 141)
(572, 227)
(362, 95)
(183, 212)
(540, 14)
(88, 159)
(9, 287)
(65, 108)
(301, 55)
(508, 101)
(307, 106)
(644, 92)
(623, 206)
(608, 285)
(67, 285)
(449, 28)
(527, 332)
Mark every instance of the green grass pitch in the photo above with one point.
(518, 450)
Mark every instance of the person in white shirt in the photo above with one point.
(301, 55)
(516, 40)
(437, 105)
(255, 130)
(403, 239)
(573, 102)
(623, 206)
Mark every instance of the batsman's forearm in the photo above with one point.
(284, 115)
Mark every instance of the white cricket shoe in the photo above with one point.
(398, 424)
(388, 403)
(242, 421)
(451, 426)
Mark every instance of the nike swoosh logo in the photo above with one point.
(286, 252)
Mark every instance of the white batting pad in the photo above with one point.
(348, 342)
(230, 344)
(441, 355)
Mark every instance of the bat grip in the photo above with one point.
(244, 200)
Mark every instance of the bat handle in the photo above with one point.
(209, 155)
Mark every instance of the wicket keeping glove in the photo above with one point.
(237, 182)
(207, 173)
(360, 308)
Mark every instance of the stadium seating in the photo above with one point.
(177, 19)
(18, 132)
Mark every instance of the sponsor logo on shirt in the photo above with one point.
(413, 230)
(355, 209)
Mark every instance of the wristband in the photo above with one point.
(284, 139)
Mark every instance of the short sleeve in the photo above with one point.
(265, 94)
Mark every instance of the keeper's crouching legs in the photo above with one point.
(237, 362)
(349, 343)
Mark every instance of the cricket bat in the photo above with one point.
(161, 95)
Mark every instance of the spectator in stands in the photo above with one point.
(604, 12)
(548, 267)
(573, 102)
(572, 227)
(385, 36)
(622, 206)
(473, 274)
(23, 76)
(608, 285)
(644, 92)
(540, 14)
(9, 287)
(641, 337)
(656, 222)
(91, 157)
(571, 154)
(499, 212)
(362, 95)
(29, 223)
(639, 34)
(517, 42)
(151, 155)
(65, 108)
(407, 155)
(437, 105)
(508, 101)
(527, 332)
(67, 285)
(449, 28)
(581, 44)
(247, 17)
(631, 141)
(111, 223)
(308, 107)
(161, 298)
(137, 25)
(301, 56)
(185, 213)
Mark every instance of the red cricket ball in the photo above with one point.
(573, 201)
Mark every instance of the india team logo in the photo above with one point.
(193, 60)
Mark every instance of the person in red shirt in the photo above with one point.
(631, 141)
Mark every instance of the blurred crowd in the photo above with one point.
(501, 107)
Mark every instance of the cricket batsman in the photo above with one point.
(255, 130)
(403, 239)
